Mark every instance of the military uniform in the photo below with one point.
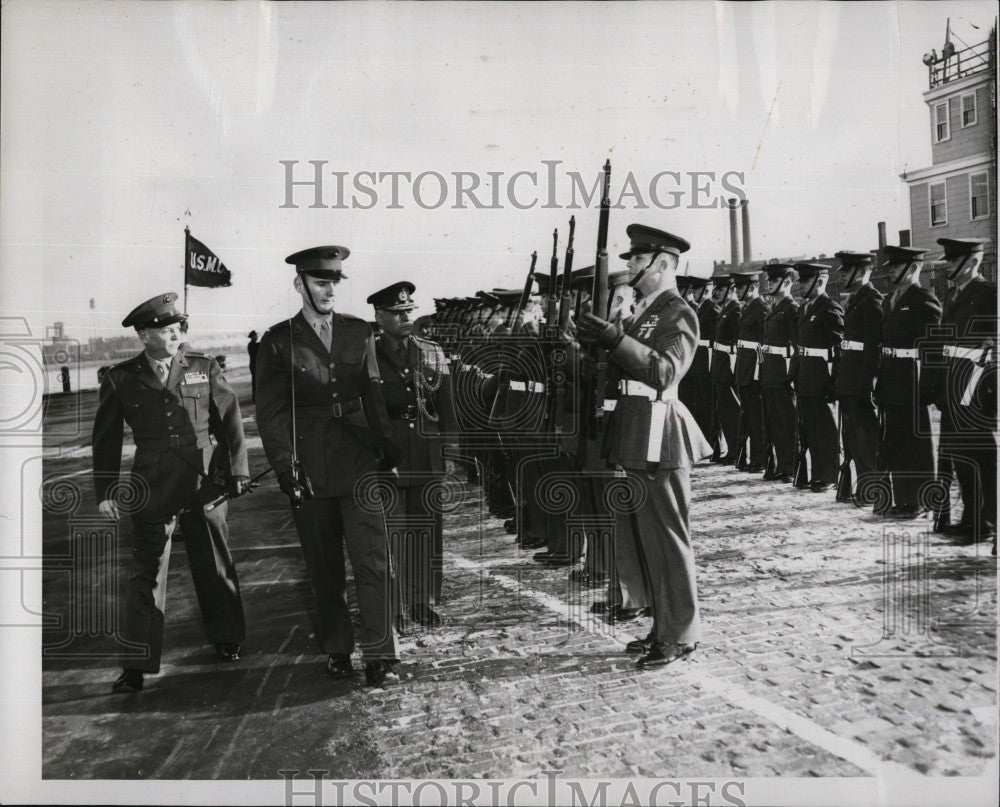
(418, 394)
(654, 439)
(724, 347)
(173, 424)
(821, 327)
(965, 390)
(781, 336)
(340, 426)
(860, 354)
(903, 391)
(747, 374)
(701, 368)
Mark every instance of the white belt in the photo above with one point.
(455, 357)
(814, 352)
(527, 386)
(640, 390)
(610, 404)
(901, 352)
(748, 345)
(776, 350)
(705, 343)
(730, 349)
(847, 344)
(970, 353)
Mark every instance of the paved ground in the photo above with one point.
(836, 644)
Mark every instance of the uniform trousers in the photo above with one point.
(414, 523)
(325, 525)
(779, 407)
(662, 543)
(974, 452)
(909, 453)
(752, 408)
(702, 408)
(820, 429)
(727, 408)
(212, 570)
(860, 425)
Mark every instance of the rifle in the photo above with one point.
(771, 461)
(800, 479)
(599, 303)
(552, 310)
(302, 488)
(515, 316)
(742, 461)
(558, 380)
(845, 481)
(883, 481)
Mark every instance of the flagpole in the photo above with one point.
(187, 232)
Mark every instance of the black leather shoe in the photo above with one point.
(641, 645)
(129, 681)
(753, 468)
(783, 478)
(602, 607)
(338, 665)
(379, 673)
(510, 526)
(959, 530)
(425, 615)
(531, 542)
(904, 512)
(228, 651)
(541, 557)
(660, 655)
(559, 561)
(820, 487)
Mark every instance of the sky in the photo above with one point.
(123, 122)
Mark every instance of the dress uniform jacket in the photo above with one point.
(656, 350)
(781, 329)
(708, 316)
(339, 410)
(173, 426)
(862, 326)
(751, 329)
(727, 333)
(341, 425)
(906, 326)
(821, 326)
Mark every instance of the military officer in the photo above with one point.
(902, 391)
(653, 438)
(727, 332)
(964, 388)
(821, 328)
(688, 391)
(700, 371)
(417, 389)
(781, 336)
(860, 353)
(323, 423)
(175, 403)
(747, 373)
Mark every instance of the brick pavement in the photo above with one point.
(794, 677)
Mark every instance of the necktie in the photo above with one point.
(162, 371)
(401, 353)
(324, 334)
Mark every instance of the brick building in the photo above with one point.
(955, 196)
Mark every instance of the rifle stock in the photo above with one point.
(845, 480)
(599, 299)
(552, 310)
(800, 478)
(883, 481)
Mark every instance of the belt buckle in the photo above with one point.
(175, 440)
(338, 410)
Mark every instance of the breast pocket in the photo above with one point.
(195, 402)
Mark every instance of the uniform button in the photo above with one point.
(169, 414)
(412, 425)
(333, 379)
(335, 395)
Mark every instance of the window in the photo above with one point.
(969, 110)
(939, 204)
(942, 130)
(979, 196)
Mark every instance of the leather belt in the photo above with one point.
(815, 352)
(729, 349)
(970, 353)
(901, 352)
(777, 350)
(640, 390)
(847, 344)
(336, 410)
(171, 441)
(748, 345)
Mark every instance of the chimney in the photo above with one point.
(734, 242)
(904, 238)
(746, 230)
(881, 236)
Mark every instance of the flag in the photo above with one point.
(202, 267)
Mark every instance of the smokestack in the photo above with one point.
(881, 236)
(904, 238)
(734, 242)
(746, 230)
